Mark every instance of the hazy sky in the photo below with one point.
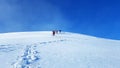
(99, 18)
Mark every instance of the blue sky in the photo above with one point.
(100, 18)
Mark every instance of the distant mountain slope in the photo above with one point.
(64, 50)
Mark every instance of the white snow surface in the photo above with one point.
(64, 50)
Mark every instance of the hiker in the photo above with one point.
(60, 31)
(56, 31)
(53, 32)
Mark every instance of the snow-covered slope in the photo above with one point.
(65, 50)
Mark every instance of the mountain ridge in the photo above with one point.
(64, 50)
(50, 32)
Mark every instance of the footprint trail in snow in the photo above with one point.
(31, 56)
(28, 59)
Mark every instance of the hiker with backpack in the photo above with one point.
(53, 32)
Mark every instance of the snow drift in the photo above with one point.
(65, 50)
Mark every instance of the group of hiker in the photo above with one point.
(55, 32)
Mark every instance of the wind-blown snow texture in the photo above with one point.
(65, 50)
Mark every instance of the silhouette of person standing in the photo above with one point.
(60, 31)
(53, 32)
(56, 31)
